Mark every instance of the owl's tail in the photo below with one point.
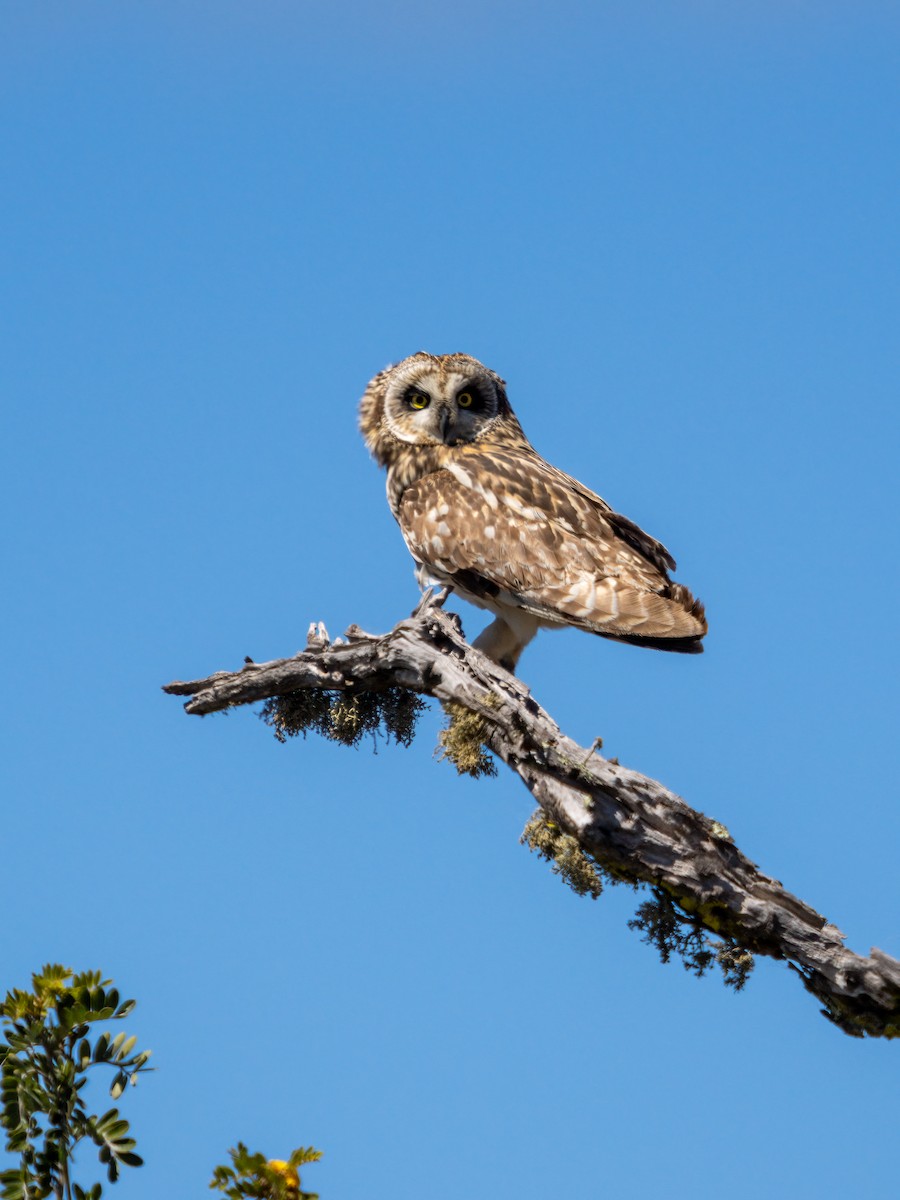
(670, 620)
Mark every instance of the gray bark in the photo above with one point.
(630, 825)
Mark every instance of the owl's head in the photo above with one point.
(434, 400)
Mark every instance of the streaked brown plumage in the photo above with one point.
(482, 512)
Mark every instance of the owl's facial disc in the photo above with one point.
(429, 404)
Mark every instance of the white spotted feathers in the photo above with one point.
(481, 511)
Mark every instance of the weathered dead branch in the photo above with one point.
(628, 827)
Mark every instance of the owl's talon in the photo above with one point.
(424, 602)
(431, 598)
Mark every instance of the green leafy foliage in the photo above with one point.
(254, 1177)
(45, 1056)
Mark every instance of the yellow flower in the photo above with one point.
(287, 1173)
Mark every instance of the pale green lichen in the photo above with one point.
(674, 927)
(579, 769)
(566, 857)
(462, 742)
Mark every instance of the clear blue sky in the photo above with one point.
(673, 229)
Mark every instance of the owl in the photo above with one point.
(483, 513)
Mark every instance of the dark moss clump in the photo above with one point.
(345, 717)
(671, 930)
(663, 922)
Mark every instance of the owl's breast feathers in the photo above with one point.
(512, 532)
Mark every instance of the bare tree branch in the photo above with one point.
(597, 816)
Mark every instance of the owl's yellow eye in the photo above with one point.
(465, 399)
(418, 400)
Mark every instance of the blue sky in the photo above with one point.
(673, 230)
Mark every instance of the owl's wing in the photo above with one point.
(519, 535)
(518, 471)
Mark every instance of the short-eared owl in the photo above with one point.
(482, 512)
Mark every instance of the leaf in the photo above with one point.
(51, 978)
(130, 1159)
(126, 1046)
(87, 979)
(72, 1015)
(305, 1154)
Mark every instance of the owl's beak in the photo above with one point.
(445, 422)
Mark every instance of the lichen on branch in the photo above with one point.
(711, 905)
(346, 717)
(462, 741)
